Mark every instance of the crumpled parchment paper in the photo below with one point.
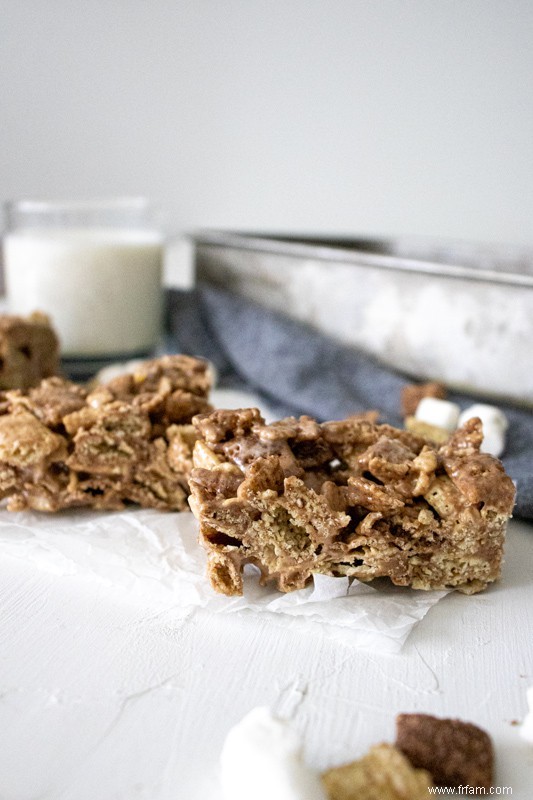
(155, 558)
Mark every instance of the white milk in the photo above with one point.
(101, 287)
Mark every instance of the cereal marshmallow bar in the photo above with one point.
(351, 498)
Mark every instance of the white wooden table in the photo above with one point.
(101, 698)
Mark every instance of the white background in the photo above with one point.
(353, 116)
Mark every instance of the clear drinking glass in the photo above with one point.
(95, 267)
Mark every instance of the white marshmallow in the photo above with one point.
(440, 413)
(526, 729)
(117, 369)
(495, 424)
(489, 415)
(493, 441)
(212, 373)
(262, 758)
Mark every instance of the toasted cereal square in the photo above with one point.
(29, 350)
(383, 774)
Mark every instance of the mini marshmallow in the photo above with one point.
(489, 415)
(495, 424)
(441, 413)
(493, 441)
(526, 729)
(212, 373)
(118, 369)
(262, 758)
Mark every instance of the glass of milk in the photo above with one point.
(95, 267)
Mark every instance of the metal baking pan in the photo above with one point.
(450, 311)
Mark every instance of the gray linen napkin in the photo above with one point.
(300, 371)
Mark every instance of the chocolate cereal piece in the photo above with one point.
(456, 753)
(29, 350)
(130, 441)
(383, 774)
(414, 392)
(346, 498)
